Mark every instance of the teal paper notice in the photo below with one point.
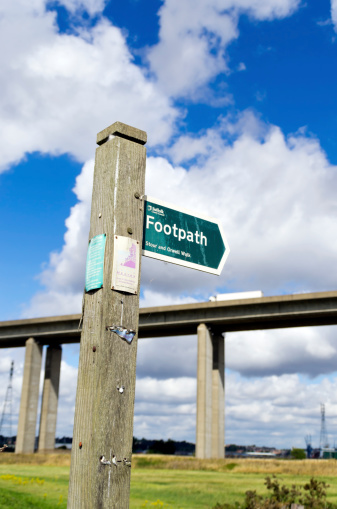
(95, 263)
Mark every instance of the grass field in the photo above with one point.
(41, 481)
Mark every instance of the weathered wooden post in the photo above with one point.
(102, 439)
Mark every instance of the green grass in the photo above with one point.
(197, 489)
(188, 490)
(28, 486)
(156, 482)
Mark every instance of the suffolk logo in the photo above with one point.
(155, 210)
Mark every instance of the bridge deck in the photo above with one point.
(296, 310)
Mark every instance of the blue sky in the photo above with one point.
(238, 100)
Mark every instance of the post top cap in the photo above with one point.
(123, 131)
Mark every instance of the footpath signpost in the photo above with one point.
(103, 428)
(182, 237)
(120, 217)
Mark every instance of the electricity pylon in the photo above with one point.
(323, 443)
(7, 408)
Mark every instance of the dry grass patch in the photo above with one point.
(254, 466)
(258, 466)
(56, 459)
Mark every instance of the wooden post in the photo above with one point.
(103, 429)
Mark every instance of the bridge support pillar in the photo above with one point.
(203, 446)
(210, 432)
(218, 396)
(50, 399)
(25, 439)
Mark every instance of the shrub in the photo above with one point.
(298, 454)
(312, 495)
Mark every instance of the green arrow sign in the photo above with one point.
(182, 237)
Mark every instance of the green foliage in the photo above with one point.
(25, 487)
(162, 447)
(231, 466)
(158, 503)
(232, 448)
(298, 454)
(312, 495)
(315, 495)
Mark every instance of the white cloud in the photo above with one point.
(162, 358)
(309, 351)
(58, 90)
(92, 7)
(266, 9)
(276, 411)
(53, 303)
(268, 191)
(334, 13)
(282, 409)
(170, 390)
(242, 66)
(151, 299)
(274, 196)
(194, 37)
(67, 396)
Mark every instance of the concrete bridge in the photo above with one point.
(210, 320)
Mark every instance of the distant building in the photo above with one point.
(328, 453)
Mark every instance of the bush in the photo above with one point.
(312, 495)
(298, 454)
(162, 447)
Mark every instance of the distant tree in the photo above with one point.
(232, 448)
(298, 454)
(162, 447)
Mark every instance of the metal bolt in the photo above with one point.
(137, 195)
(129, 230)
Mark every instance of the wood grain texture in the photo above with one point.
(103, 415)
(124, 131)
